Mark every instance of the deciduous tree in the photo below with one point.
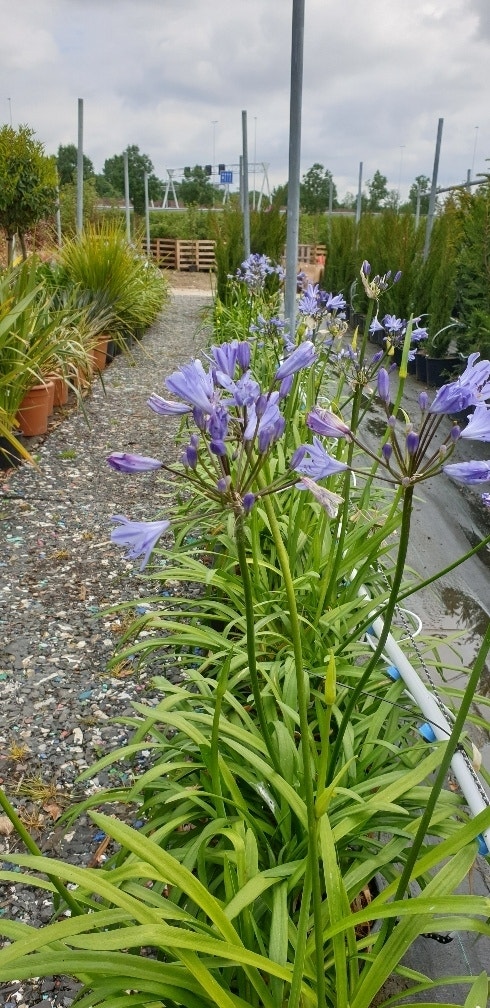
(315, 189)
(378, 191)
(422, 185)
(195, 188)
(27, 184)
(138, 164)
(66, 163)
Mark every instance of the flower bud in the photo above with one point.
(248, 501)
(383, 385)
(412, 442)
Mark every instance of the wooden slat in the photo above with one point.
(183, 253)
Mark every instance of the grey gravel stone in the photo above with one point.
(58, 574)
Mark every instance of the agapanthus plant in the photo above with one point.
(236, 423)
(394, 330)
(254, 271)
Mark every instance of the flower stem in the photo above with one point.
(26, 838)
(303, 694)
(251, 650)
(387, 619)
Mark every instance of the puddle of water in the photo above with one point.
(375, 426)
(464, 616)
(458, 613)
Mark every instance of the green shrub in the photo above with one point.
(472, 270)
(110, 276)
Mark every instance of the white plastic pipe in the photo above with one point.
(438, 722)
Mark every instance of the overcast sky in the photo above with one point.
(378, 74)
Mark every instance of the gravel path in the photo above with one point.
(58, 572)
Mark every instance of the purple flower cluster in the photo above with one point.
(395, 330)
(254, 271)
(377, 285)
(316, 303)
(269, 328)
(235, 418)
(470, 389)
(415, 461)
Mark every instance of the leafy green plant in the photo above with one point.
(27, 184)
(285, 771)
(111, 279)
(473, 273)
(435, 288)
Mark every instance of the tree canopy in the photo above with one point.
(378, 191)
(315, 189)
(196, 188)
(422, 185)
(138, 164)
(66, 163)
(28, 190)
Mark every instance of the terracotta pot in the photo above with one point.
(49, 379)
(98, 354)
(33, 412)
(60, 392)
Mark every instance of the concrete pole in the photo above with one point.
(58, 218)
(417, 209)
(246, 206)
(433, 193)
(240, 180)
(80, 168)
(147, 215)
(126, 195)
(359, 194)
(296, 94)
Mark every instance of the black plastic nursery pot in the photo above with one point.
(411, 366)
(10, 457)
(440, 370)
(421, 367)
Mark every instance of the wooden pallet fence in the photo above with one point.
(311, 262)
(183, 254)
(314, 255)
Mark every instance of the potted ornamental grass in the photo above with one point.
(111, 278)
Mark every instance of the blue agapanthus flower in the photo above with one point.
(127, 463)
(478, 426)
(139, 538)
(312, 460)
(469, 473)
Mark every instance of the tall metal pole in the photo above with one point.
(246, 206)
(359, 194)
(292, 235)
(432, 197)
(80, 168)
(147, 214)
(417, 209)
(240, 178)
(255, 159)
(58, 217)
(474, 148)
(126, 195)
